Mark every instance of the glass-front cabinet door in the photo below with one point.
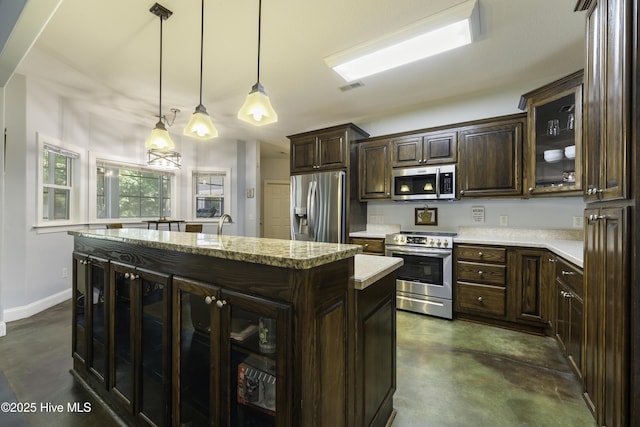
(554, 163)
(231, 358)
(90, 313)
(140, 342)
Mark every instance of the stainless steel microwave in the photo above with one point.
(424, 183)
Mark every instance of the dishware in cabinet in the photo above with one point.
(553, 158)
(231, 357)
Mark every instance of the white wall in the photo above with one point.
(3, 329)
(33, 260)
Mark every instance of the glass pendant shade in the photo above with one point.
(257, 109)
(159, 139)
(200, 126)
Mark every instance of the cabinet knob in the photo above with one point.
(221, 303)
(480, 272)
(209, 299)
(462, 192)
(366, 245)
(566, 294)
(480, 254)
(552, 260)
(480, 299)
(531, 189)
(126, 275)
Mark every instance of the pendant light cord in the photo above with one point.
(259, 32)
(201, 47)
(160, 101)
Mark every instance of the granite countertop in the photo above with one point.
(368, 269)
(566, 243)
(294, 254)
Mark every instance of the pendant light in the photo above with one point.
(257, 108)
(159, 138)
(200, 125)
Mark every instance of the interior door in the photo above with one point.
(277, 222)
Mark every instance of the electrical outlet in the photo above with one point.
(65, 272)
(504, 220)
(578, 222)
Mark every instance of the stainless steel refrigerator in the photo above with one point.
(318, 207)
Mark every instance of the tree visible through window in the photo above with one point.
(130, 192)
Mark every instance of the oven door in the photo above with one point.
(426, 271)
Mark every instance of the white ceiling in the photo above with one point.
(110, 52)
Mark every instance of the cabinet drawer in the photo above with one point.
(369, 245)
(483, 299)
(481, 253)
(480, 272)
(571, 276)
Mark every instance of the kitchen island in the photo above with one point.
(177, 328)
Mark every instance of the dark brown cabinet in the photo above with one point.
(569, 291)
(325, 149)
(529, 275)
(490, 157)
(374, 169)
(608, 80)
(503, 286)
(425, 149)
(231, 355)
(370, 245)
(606, 313)
(90, 336)
(481, 280)
(139, 357)
(553, 153)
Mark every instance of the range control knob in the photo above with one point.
(431, 242)
(445, 243)
(438, 243)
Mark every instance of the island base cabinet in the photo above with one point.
(230, 357)
(374, 310)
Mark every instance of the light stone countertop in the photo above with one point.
(376, 231)
(293, 254)
(368, 269)
(565, 243)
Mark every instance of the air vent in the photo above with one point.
(350, 86)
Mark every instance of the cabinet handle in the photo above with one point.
(594, 191)
(568, 273)
(566, 294)
(480, 299)
(221, 303)
(209, 299)
(480, 272)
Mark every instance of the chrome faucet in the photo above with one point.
(223, 218)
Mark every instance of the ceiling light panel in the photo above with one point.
(446, 30)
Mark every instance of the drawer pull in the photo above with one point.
(480, 299)
(480, 254)
(209, 299)
(566, 294)
(366, 245)
(480, 273)
(552, 260)
(567, 273)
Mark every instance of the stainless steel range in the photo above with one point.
(424, 282)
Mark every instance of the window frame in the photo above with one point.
(77, 176)
(95, 159)
(209, 170)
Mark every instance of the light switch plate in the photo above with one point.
(504, 220)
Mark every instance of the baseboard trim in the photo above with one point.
(22, 312)
(3, 329)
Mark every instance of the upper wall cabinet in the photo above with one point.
(490, 158)
(324, 149)
(424, 149)
(553, 153)
(608, 80)
(374, 167)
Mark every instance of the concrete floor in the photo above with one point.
(450, 373)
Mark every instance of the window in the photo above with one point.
(210, 193)
(58, 182)
(128, 191)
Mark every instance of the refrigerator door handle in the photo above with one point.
(292, 203)
(311, 209)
